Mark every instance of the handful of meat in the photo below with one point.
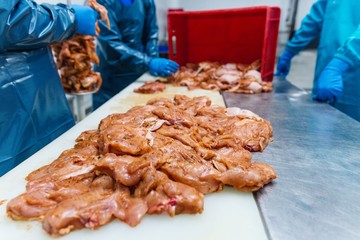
(75, 58)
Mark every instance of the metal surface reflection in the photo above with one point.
(316, 156)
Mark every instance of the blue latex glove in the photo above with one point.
(127, 2)
(162, 67)
(85, 18)
(284, 63)
(330, 83)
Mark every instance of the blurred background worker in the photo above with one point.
(337, 73)
(33, 106)
(129, 48)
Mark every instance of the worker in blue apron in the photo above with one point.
(337, 73)
(129, 48)
(33, 106)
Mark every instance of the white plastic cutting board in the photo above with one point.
(227, 215)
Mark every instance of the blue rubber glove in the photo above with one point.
(127, 2)
(85, 18)
(162, 67)
(284, 63)
(330, 84)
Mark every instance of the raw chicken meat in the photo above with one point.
(159, 158)
(151, 87)
(238, 78)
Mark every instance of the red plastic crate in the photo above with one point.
(240, 35)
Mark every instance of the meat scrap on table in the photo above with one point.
(159, 158)
(232, 77)
(151, 87)
(75, 57)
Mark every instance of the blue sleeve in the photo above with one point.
(151, 33)
(310, 27)
(116, 52)
(24, 24)
(350, 50)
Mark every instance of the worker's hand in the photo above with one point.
(330, 84)
(284, 63)
(162, 67)
(85, 18)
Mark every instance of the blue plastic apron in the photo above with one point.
(33, 106)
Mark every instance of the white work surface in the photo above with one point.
(227, 215)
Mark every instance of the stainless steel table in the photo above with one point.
(316, 156)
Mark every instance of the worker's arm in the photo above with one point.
(116, 52)
(330, 84)
(350, 50)
(27, 25)
(157, 66)
(120, 55)
(310, 29)
(151, 31)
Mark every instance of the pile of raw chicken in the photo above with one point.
(232, 77)
(159, 158)
(75, 59)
